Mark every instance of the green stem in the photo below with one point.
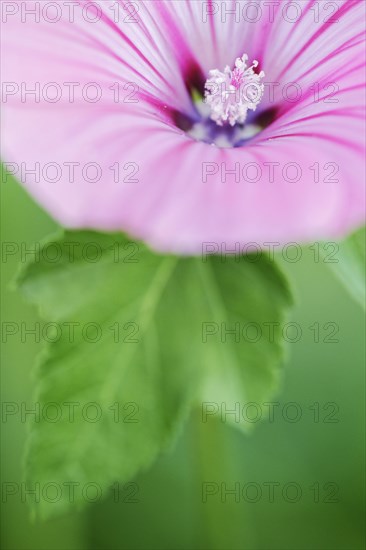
(215, 467)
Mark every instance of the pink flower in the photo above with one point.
(139, 150)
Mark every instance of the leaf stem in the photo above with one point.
(214, 469)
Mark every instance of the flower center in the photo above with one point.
(232, 93)
(224, 106)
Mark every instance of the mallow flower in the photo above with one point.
(188, 122)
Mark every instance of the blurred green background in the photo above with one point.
(170, 513)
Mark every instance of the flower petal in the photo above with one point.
(300, 179)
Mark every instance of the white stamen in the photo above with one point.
(232, 93)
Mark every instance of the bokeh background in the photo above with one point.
(170, 513)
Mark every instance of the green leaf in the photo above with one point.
(248, 300)
(349, 265)
(133, 387)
